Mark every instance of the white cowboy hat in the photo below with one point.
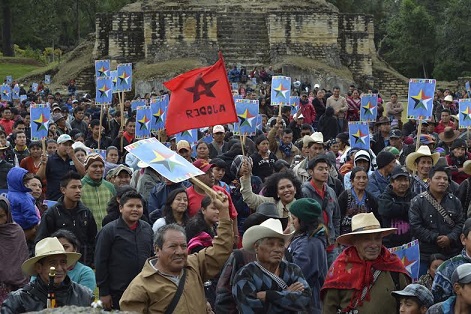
(44, 248)
(318, 137)
(423, 150)
(362, 224)
(270, 228)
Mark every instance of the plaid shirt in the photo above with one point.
(95, 196)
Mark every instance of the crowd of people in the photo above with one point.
(298, 219)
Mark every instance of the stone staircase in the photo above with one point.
(388, 83)
(243, 39)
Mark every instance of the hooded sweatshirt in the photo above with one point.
(22, 205)
(346, 179)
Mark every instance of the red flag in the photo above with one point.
(200, 98)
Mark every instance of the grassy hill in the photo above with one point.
(17, 67)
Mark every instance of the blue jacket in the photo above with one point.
(310, 255)
(22, 205)
(377, 184)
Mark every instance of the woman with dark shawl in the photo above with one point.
(13, 252)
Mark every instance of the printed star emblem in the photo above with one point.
(168, 161)
(246, 118)
(104, 90)
(421, 100)
(41, 123)
(408, 263)
(186, 133)
(124, 77)
(466, 114)
(6, 93)
(201, 88)
(102, 71)
(159, 115)
(281, 91)
(368, 108)
(359, 137)
(143, 122)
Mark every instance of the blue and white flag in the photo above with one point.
(104, 90)
(5, 91)
(102, 68)
(420, 98)
(191, 136)
(137, 103)
(280, 90)
(359, 135)
(247, 112)
(15, 92)
(464, 115)
(34, 87)
(143, 118)
(40, 117)
(47, 79)
(369, 107)
(9, 79)
(158, 107)
(114, 79)
(409, 254)
(124, 77)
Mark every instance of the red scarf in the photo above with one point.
(128, 137)
(350, 272)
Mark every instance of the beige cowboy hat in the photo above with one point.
(448, 134)
(362, 224)
(44, 248)
(467, 167)
(270, 228)
(423, 150)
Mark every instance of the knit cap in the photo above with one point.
(384, 158)
(306, 209)
(91, 159)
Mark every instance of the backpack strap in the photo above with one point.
(178, 294)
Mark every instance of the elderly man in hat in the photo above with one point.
(420, 162)
(174, 279)
(361, 277)
(49, 253)
(436, 219)
(225, 303)
(269, 284)
(96, 192)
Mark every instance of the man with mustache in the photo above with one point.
(174, 279)
(32, 297)
(436, 219)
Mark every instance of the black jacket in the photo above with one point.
(79, 221)
(464, 195)
(394, 211)
(33, 297)
(427, 224)
(120, 255)
(4, 169)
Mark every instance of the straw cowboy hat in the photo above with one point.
(270, 228)
(467, 167)
(44, 248)
(362, 224)
(421, 152)
(448, 134)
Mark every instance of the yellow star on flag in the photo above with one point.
(281, 91)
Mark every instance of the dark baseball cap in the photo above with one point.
(395, 133)
(399, 171)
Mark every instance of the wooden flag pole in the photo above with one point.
(242, 143)
(101, 126)
(121, 104)
(419, 132)
(43, 143)
(205, 188)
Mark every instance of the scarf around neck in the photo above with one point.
(286, 149)
(350, 272)
(91, 182)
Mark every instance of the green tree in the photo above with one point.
(411, 39)
(7, 43)
(453, 54)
